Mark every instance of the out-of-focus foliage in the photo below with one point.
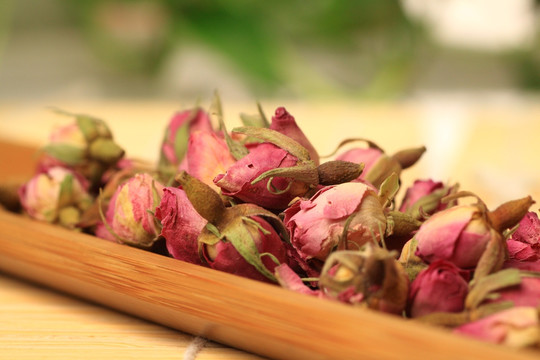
(367, 44)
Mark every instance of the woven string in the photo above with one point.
(194, 347)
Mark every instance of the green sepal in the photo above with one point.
(250, 210)
(274, 137)
(67, 154)
(105, 150)
(66, 191)
(486, 285)
(237, 149)
(239, 236)
(306, 173)
(181, 139)
(388, 189)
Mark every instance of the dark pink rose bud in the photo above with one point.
(528, 230)
(56, 196)
(224, 255)
(244, 239)
(175, 140)
(128, 219)
(524, 244)
(285, 123)
(439, 288)
(181, 225)
(517, 327)
(237, 180)
(370, 276)
(207, 156)
(424, 197)
(316, 226)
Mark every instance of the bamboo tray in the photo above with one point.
(243, 313)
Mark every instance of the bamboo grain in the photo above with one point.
(253, 316)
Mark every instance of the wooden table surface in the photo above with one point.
(491, 150)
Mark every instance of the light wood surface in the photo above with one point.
(495, 158)
(39, 323)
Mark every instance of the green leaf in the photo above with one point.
(68, 154)
(238, 234)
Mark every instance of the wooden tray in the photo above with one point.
(246, 314)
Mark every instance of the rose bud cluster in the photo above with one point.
(259, 202)
(85, 146)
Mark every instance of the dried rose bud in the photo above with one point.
(467, 234)
(238, 180)
(424, 197)
(225, 255)
(175, 140)
(207, 156)
(379, 165)
(285, 123)
(344, 216)
(370, 277)
(517, 327)
(181, 225)
(244, 239)
(442, 287)
(129, 218)
(56, 196)
(87, 146)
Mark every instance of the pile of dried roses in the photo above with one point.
(258, 203)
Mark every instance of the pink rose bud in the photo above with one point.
(237, 180)
(175, 141)
(207, 156)
(56, 196)
(371, 276)
(459, 234)
(316, 225)
(462, 234)
(424, 197)
(181, 225)
(516, 327)
(378, 165)
(128, 219)
(285, 123)
(441, 287)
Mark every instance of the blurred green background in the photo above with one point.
(301, 49)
